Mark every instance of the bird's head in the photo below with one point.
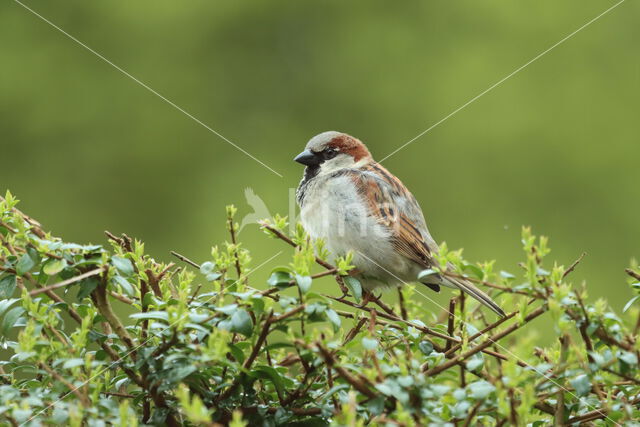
(331, 151)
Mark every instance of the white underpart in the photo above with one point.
(334, 211)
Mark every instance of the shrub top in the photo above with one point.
(202, 344)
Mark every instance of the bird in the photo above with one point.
(356, 205)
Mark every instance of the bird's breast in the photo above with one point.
(334, 211)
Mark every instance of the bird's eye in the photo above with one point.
(330, 153)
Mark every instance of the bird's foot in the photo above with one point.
(367, 297)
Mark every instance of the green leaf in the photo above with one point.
(481, 389)
(175, 375)
(279, 278)
(228, 309)
(125, 285)
(257, 306)
(72, 363)
(628, 357)
(87, 286)
(207, 267)
(237, 353)
(267, 372)
(7, 286)
(582, 384)
(157, 315)
(477, 272)
(5, 304)
(241, 323)
(354, 287)
(336, 388)
(369, 343)
(25, 264)
(426, 347)
(54, 266)
(123, 265)
(630, 303)
(475, 362)
(304, 283)
(10, 319)
(375, 406)
(213, 276)
(506, 275)
(333, 318)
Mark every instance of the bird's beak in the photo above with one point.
(308, 158)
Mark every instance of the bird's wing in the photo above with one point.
(393, 205)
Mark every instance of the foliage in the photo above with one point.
(202, 346)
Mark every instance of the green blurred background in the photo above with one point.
(555, 146)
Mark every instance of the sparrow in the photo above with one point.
(354, 204)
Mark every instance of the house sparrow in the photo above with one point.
(355, 204)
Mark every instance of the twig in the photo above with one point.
(357, 383)
(597, 414)
(559, 412)
(632, 273)
(394, 318)
(281, 236)
(124, 395)
(436, 370)
(8, 227)
(232, 231)
(382, 305)
(450, 323)
(166, 345)
(121, 298)
(274, 289)
(403, 309)
(301, 297)
(99, 296)
(195, 293)
(621, 375)
(185, 259)
(574, 265)
(84, 400)
(252, 357)
(288, 314)
(472, 414)
(583, 328)
(259, 342)
(67, 282)
(353, 331)
(482, 332)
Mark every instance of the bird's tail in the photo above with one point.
(468, 287)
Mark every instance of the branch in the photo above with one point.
(68, 282)
(574, 265)
(490, 341)
(232, 231)
(355, 382)
(423, 329)
(259, 342)
(632, 273)
(286, 239)
(84, 400)
(185, 259)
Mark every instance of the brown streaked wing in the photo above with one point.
(393, 205)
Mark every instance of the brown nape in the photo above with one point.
(350, 145)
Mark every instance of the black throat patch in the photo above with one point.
(310, 172)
